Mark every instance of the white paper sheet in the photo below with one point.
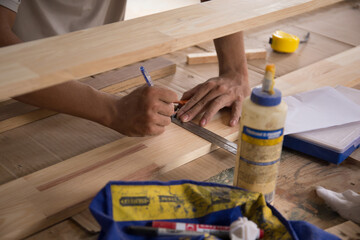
(317, 109)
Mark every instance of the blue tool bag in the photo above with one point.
(122, 204)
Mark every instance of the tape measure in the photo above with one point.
(281, 41)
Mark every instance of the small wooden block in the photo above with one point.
(211, 57)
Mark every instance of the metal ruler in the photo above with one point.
(207, 135)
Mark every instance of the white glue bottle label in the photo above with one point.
(260, 138)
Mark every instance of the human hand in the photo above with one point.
(145, 111)
(227, 90)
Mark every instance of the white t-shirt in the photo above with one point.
(38, 19)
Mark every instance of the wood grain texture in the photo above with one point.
(87, 221)
(12, 108)
(66, 136)
(211, 57)
(38, 64)
(205, 71)
(161, 155)
(317, 48)
(6, 176)
(130, 76)
(20, 154)
(341, 69)
(346, 231)
(66, 230)
(142, 164)
(14, 114)
(298, 177)
(340, 22)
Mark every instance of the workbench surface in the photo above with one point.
(334, 29)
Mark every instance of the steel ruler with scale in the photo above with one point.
(207, 135)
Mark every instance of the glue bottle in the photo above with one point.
(260, 138)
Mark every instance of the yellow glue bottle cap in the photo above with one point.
(284, 42)
(267, 95)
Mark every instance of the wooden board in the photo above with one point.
(341, 69)
(87, 221)
(37, 192)
(24, 155)
(211, 57)
(205, 71)
(317, 48)
(14, 114)
(72, 183)
(38, 64)
(66, 230)
(346, 231)
(339, 22)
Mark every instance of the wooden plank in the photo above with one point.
(341, 69)
(331, 22)
(21, 154)
(95, 168)
(25, 118)
(15, 114)
(347, 230)
(298, 176)
(206, 71)
(130, 76)
(38, 64)
(66, 230)
(12, 108)
(317, 48)
(87, 221)
(72, 183)
(211, 57)
(5, 175)
(66, 136)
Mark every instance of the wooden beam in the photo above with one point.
(211, 57)
(42, 63)
(17, 114)
(40, 199)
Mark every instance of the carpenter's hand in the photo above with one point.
(228, 90)
(145, 111)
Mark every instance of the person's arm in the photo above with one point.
(227, 90)
(146, 111)
(7, 19)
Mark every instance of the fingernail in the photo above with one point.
(203, 122)
(233, 123)
(185, 118)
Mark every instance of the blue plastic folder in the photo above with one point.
(122, 204)
(333, 144)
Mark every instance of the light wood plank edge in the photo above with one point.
(211, 57)
(20, 74)
(86, 220)
(346, 230)
(21, 120)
